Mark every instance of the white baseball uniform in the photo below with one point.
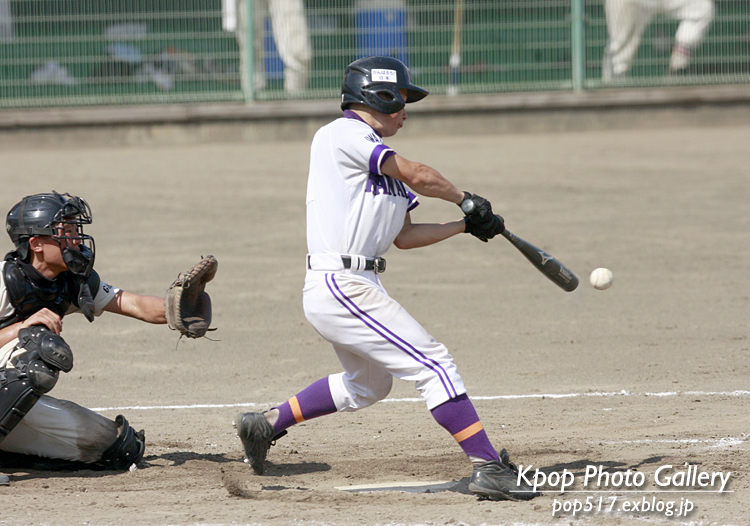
(627, 20)
(57, 428)
(354, 210)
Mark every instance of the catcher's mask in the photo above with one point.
(376, 81)
(49, 215)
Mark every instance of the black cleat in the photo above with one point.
(257, 437)
(498, 480)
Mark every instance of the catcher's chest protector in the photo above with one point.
(30, 292)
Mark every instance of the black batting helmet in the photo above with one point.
(46, 215)
(376, 81)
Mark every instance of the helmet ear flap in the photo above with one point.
(23, 249)
(384, 99)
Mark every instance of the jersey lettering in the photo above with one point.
(373, 137)
(382, 184)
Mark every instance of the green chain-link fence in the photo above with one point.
(93, 52)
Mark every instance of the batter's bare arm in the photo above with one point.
(422, 179)
(145, 308)
(425, 234)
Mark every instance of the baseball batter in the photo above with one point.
(627, 19)
(49, 275)
(359, 202)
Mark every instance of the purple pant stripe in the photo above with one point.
(389, 335)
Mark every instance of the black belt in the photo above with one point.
(375, 264)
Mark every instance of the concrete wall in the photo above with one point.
(465, 115)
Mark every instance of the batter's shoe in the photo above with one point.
(257, 437)
(498, 480)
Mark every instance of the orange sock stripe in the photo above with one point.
(296, 411)
(469, 432)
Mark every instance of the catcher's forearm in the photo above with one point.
(145, 308)
(153, 310)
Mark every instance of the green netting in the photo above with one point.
(65, 52)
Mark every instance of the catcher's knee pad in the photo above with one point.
(35, 363)
(17, 397)
(127, 449)
(40, 354)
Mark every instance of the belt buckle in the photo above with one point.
(378, 265)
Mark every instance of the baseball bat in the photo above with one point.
(454, 62)
(558, 273)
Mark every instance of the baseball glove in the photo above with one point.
(187, 304)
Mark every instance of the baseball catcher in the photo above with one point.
(49, 275)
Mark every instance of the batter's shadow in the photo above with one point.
(298, 468)
(179, 458)
(577, 467)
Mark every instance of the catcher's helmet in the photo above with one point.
(376, 81)
(47, 215)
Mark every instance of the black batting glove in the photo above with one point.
(476, 207)
(470, 229)
(480, 221)
(487, 230)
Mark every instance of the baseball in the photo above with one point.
(601, 278)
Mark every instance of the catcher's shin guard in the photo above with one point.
(127, 449)
(36, 362)
(17, 397)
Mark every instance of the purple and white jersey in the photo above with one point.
(346, 158)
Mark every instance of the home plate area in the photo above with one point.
(408, 487)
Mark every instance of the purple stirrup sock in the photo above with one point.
(460, 418)
(312, 402)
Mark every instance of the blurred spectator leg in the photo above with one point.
(694, 21)
(626, 21)
(7, 32)
(292, 39)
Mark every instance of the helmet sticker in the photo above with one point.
(384, 75)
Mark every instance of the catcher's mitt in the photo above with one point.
(187, 304)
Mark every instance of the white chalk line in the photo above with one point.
(601, 394)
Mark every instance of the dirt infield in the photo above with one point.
(649, 374)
